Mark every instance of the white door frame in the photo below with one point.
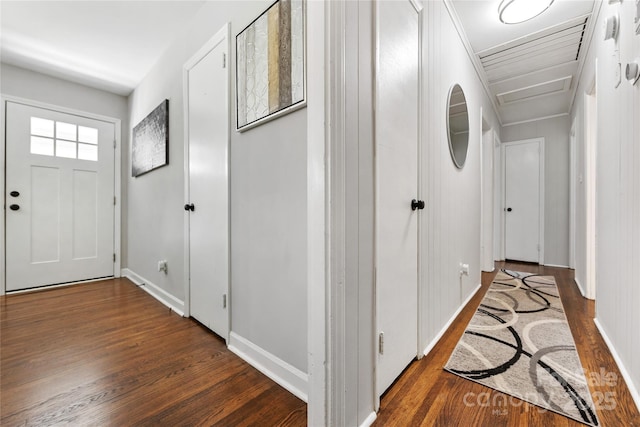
(572, 195)
(541, 142)
(486, 175)
(117, 211)
(590, 179)
(498, 190)
(222, 34)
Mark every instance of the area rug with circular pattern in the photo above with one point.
(519, 343)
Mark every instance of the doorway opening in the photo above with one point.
(524, 200)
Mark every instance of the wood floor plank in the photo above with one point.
(108, 354)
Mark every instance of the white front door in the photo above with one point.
(59, 197)
(523, 200)
(207, 80)
(396, 145)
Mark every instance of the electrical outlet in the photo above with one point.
(162, 266)
(464, 269)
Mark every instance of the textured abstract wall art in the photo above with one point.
(149, 149)
(270, 64)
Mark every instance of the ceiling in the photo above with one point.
(530, 70)
(111, 45)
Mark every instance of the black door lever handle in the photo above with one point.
(189, 207)
(417, 204)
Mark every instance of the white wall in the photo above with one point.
(268, 201)
(51, 90)
(618, 191)
(555, 132)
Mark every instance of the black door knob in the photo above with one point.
(417, 204)
(14, 207)
(509, 209)
(189, 207)
(14, 194)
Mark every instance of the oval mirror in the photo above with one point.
(458, 125)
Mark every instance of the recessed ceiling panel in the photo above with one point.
(535, 91)
(528, 68)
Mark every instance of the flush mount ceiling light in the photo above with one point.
(516, 11)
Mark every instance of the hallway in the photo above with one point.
(427, 395)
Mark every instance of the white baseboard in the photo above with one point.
(556, 265)
(434, 341)
(580, 288)
(369, 420)
(289, 377)
(155, 291)
(625, 374)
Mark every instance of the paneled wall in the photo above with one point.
(449, 225)
(617, 187)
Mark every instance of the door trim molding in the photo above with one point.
(219, 37)
(541, 217)
(117, 179)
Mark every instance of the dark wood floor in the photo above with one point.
(108, 354)
(427, 395)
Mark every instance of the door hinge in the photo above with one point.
(114, 200)
(224, 301)
(381, 343)
(114, 144)
(224, 60)
(114, 257)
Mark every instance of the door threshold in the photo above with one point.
(56, 285)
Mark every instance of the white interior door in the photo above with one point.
(59, 197)
(396, 135)
(523, 200)
(207, 80)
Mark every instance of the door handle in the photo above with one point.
(14, 194)
(509, 209)
(417, 204)
(189, 207)
(14, 207)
